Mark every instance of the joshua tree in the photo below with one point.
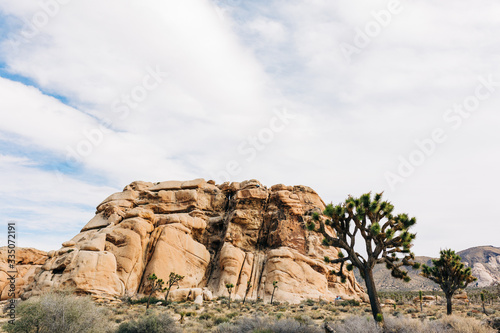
(275, 286)
(156, 285)
(482, 301)
(249, 286)
(386, 236)
(229, 287)
(173, 279)
(420, 297)
(449, 273)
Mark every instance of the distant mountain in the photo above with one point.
(485, 263)
(484, 260)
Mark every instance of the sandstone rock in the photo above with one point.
(211, 234)
(198, 300)
(185, 294)
(207, 294)
(120, 196)
(26, 264)
(97, 243)
(138, 186)
(168, 185)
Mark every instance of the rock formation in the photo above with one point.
(211, 234)
(26, 263)
(485, 264)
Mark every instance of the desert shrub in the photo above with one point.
(349, 302)
(457, 324)
(205, 316)
(58, 312)
(221, 319)
(160, 323)
(144, 300)
(309, 302)
(448, 324)
(258, 324)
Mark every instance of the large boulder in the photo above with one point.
(210, 234)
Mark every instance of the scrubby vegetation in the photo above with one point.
(58, 312)
(312, 315)
(159, 323)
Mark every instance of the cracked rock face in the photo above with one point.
(27, 263)
(211, 234)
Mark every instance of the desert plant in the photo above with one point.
(449, 273)
(385, 236)
(173, 279)
(482, 301)
(275, 286)
(161, 323)
(260, 324)
(156, 285)
(58, 313)
(229, 287)
(420, 297)
(402, 324)
(247, 290)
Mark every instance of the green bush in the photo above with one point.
(349, 302)
(59, 313)
(161, 323)
(144, 300)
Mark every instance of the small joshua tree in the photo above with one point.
(229, 287)
(386, 237)
(482, 301)
(420, 297)
(156, 285)
(275, 286)
(449, 273)
(173, 279)
(247, 290)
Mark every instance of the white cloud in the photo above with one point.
(227, 69)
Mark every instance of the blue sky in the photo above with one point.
(343, 97)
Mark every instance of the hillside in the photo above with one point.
(484, 260)
(485, 263)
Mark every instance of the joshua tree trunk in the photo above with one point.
(166, 296)
(449, 309)
(272, 296)
(420, 296)
(149, 299)
(372, 294)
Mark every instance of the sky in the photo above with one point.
(344, 97)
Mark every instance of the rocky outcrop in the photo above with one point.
(485, 264)
(27, 262)
(211, 234)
